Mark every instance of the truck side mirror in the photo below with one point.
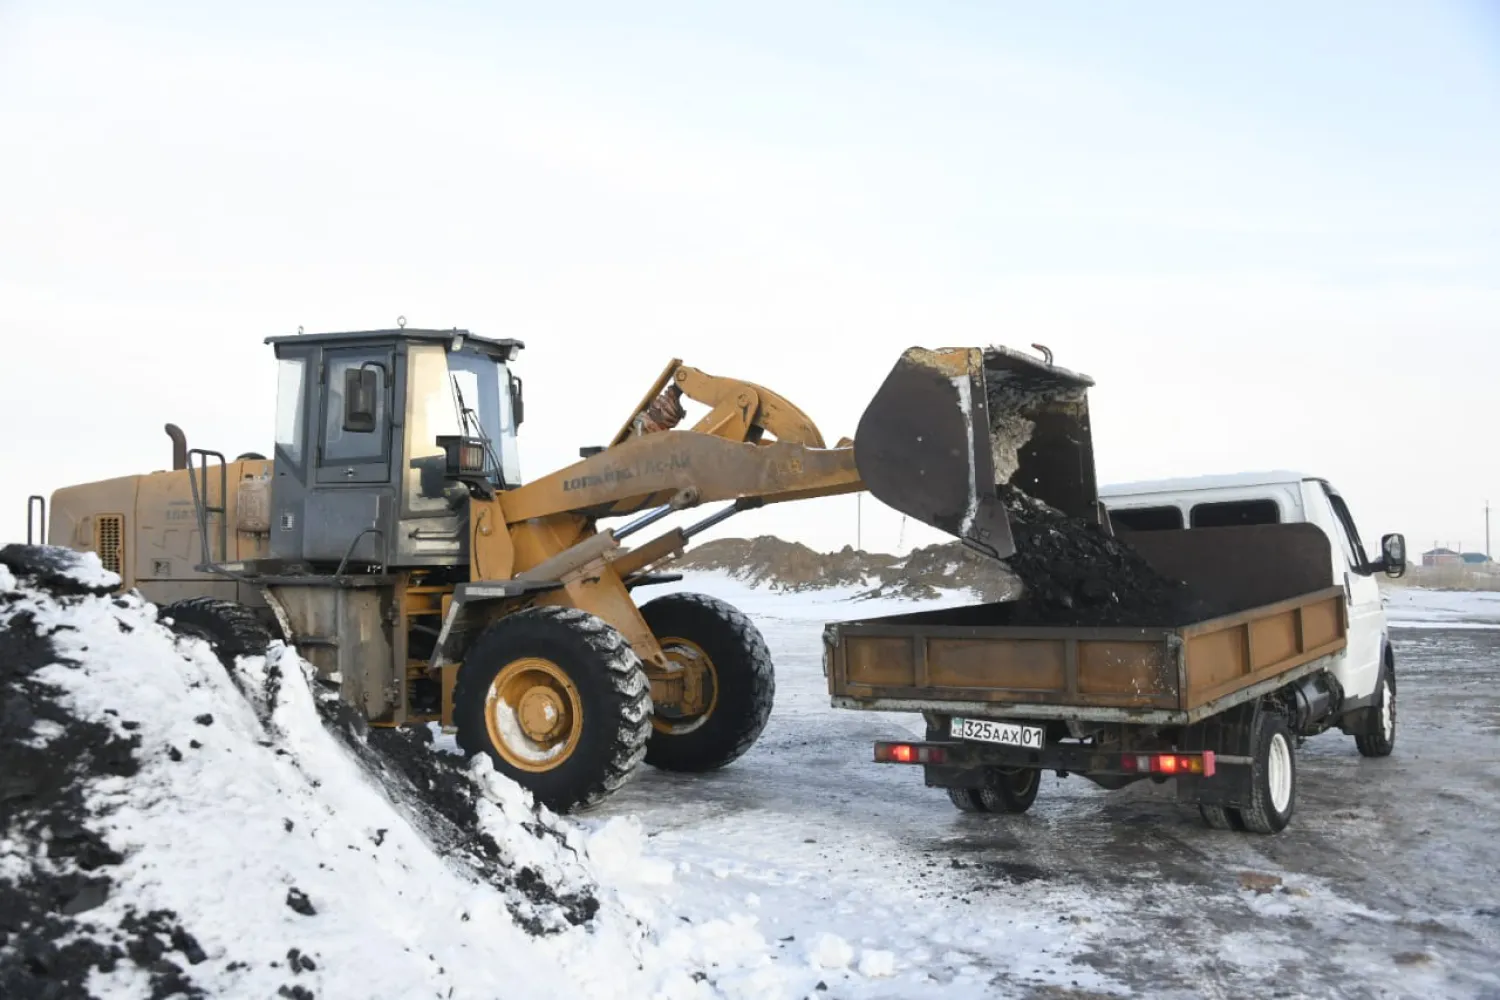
(1393, 555)
(517, 402)
(361, 398)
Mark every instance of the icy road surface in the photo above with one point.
(1390, 872)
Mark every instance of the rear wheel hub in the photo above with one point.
(700, 688)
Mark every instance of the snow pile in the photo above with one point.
(171, 828)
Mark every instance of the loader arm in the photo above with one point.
(738, 410)
(654, 469)
(944, 429)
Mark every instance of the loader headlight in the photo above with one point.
(464, 456)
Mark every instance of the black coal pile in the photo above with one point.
(50, 939)
(1074, 574)
(78, 904)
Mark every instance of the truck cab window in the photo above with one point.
(1354, 549)
(1232, 513)
(1147, 518)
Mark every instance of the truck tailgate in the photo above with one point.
(931, 662)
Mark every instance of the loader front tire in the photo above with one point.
(558, 701)
(738, 682)
(230, 629)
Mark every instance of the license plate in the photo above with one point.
(990, 731)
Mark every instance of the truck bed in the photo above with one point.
(966, 660)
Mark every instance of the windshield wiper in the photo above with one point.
(471, 425)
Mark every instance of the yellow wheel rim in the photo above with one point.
(534, 714)
(691, 658)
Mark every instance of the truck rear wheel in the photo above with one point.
(1273, 776)
(558, 701)
(967, 800)
(735, 680)
(1011, 791)
(1221, 817)
(230, 629)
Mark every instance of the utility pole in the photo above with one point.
(1487, 530)
(859, 522)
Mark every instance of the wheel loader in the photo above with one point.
(390, 540)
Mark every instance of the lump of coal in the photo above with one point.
(298, 901)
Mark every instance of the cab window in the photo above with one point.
(340, 446)
(1234, 513)
(1354, 549)
(1147, 518)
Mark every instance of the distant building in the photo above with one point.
(1475, 558)
(1441, 557)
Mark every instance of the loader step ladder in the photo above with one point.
(198, 482)
(36, 520)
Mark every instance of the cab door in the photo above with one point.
(1366, 613)
(354, 456)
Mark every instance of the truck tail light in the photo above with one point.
(909, 753)
(1199, 764)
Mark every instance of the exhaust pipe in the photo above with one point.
(179, 447)
(949, 427)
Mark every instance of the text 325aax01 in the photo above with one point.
(990, 731)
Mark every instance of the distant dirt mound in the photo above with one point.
(790, 566)
(782, 565)
(927, 571)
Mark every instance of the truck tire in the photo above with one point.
(230, 629)
(739, 682)
(1221, 817)
(1273, 776)
(558, 701)
(967, 800)
(1013, 792)
(1382, 740)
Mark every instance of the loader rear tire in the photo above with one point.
(558, 701)
(230, 629)
(739, 686)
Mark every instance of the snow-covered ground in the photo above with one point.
(1414, 608)
(801, 870)
(1094, 893)
(836, 886)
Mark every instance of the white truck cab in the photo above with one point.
(1366, 668)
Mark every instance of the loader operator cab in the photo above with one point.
(382, 435)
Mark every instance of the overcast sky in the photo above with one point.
(1270, 232)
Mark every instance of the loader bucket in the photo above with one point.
(948, 426)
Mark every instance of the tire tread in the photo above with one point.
(233, 629)
(626, 679)
(746, 726)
